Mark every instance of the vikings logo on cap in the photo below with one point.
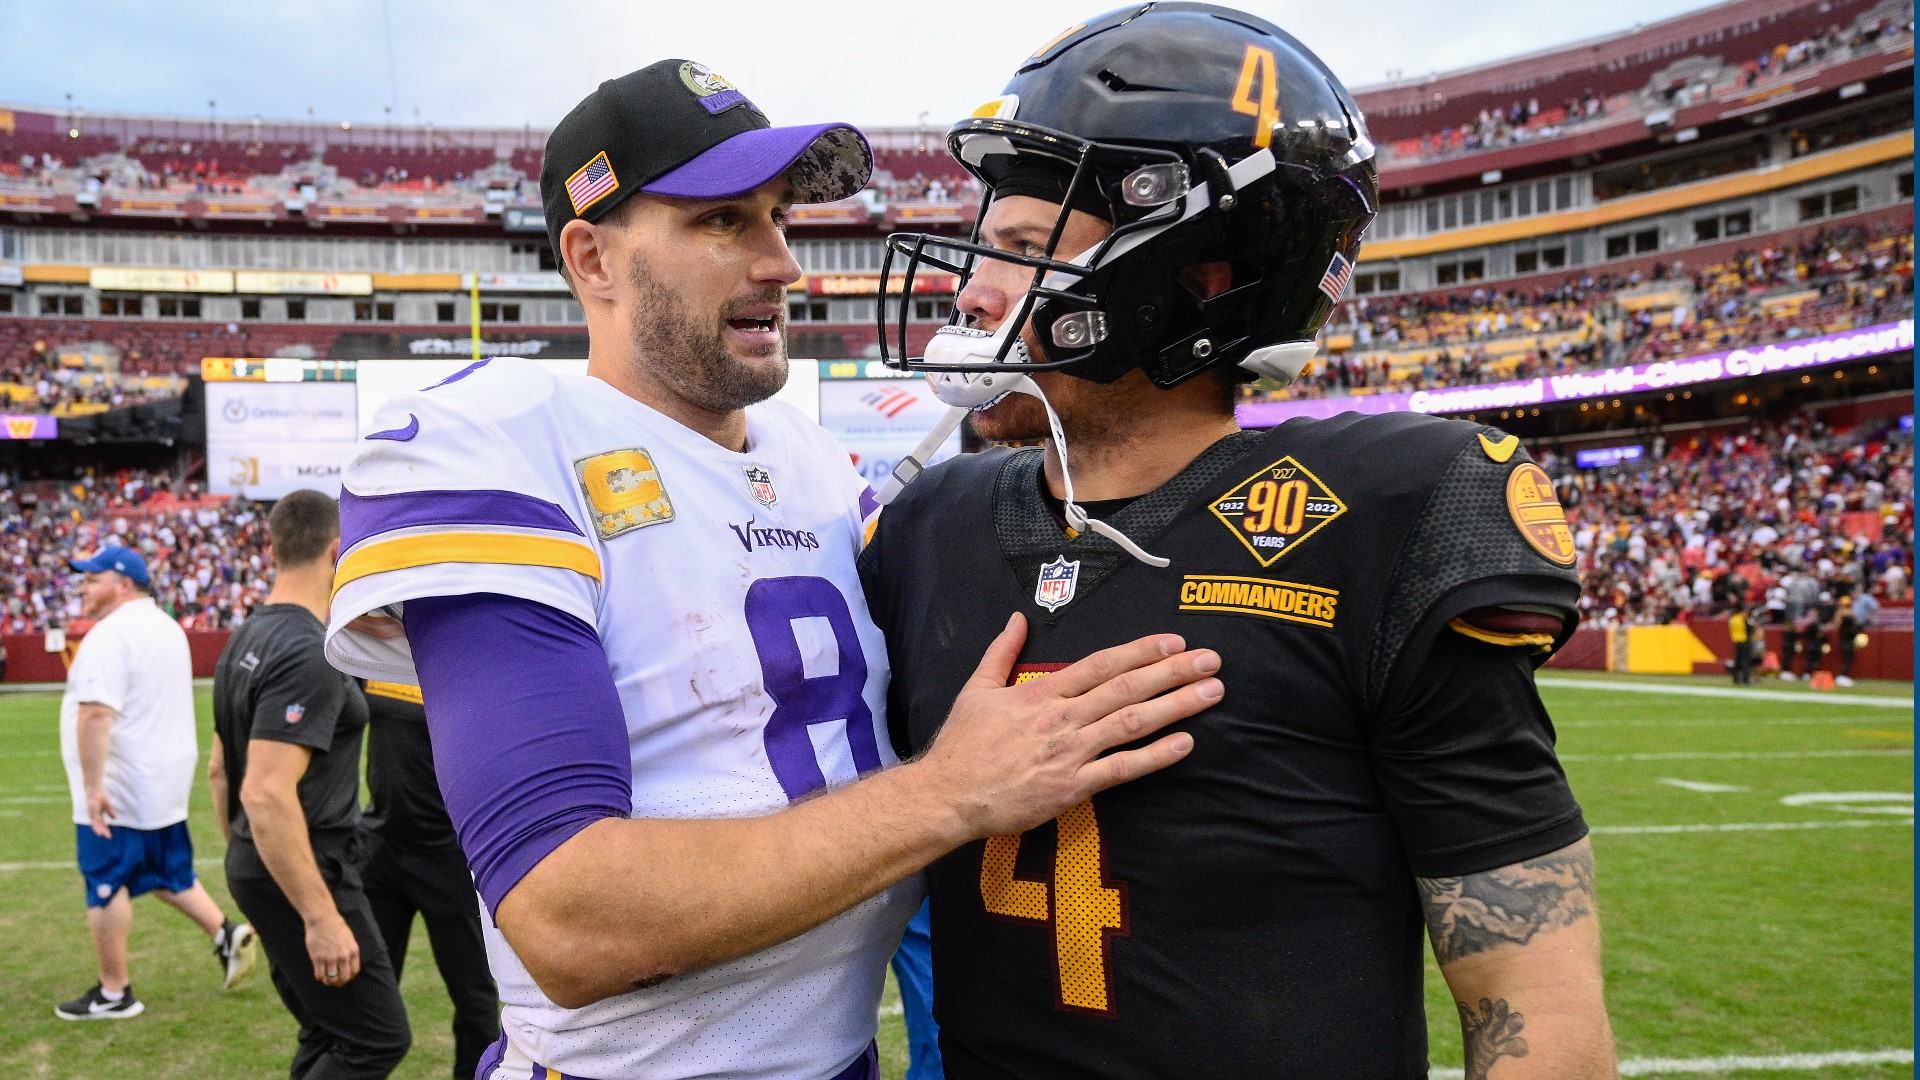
(1055, 588)
(716, 94)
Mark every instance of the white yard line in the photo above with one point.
(1740, 826)
(1865, 700)
(1739, 755)
(1701, 786)
(1743, 1063)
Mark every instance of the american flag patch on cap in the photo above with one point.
(1334, 281)
(593, 182)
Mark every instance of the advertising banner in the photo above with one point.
(371, 345)
(1778, 357)
(268, 470)
(28, 427)
(274, 282)
(880, 420)
(141, 280)
(266, 439)
(547, 281)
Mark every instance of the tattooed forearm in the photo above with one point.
(1468, 915)
(1490, 1033)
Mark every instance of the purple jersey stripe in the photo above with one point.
(363, 516)
(868, 503)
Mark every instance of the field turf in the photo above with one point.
(1747, 910)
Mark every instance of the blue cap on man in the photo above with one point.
(123, 561)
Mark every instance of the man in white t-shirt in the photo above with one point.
(128, 739)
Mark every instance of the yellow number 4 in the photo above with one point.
(1259, 67)
(1085, 911)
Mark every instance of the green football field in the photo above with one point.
(1755, 875)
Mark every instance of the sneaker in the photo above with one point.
(1842, 681)
(237, 948)
(1786, 676)
(93, 1005)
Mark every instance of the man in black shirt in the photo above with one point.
(1177, 194)
(417, 867)
(285, 772)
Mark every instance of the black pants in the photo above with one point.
(1743, 661)
(434, 883)
(348, 1032)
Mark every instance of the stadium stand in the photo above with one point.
(207, 554)
(1822, 280)
(1718, 520)
(1731, 50)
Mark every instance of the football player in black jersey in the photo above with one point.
(1176, 197)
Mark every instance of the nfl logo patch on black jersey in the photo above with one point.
(1057, 581)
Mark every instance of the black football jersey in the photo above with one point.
(1251, 910)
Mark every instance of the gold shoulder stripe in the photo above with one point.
(397, 691)
(508, 549)
(1492, 637)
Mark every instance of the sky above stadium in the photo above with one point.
(488, 62)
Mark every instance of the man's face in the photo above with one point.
(1021, 224)
(101, 592)
(701, 288)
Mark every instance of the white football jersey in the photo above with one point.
(721, 585)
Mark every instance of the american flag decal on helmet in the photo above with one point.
(593, 182)
(1334, 281)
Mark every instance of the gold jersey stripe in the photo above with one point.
(1494, 637)
(397, 691)
(509, 549)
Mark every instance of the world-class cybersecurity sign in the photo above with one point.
(1781, 356)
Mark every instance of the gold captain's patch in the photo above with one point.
(1276, 509)
(1536, 511)
(624, 491)
(1289, 600)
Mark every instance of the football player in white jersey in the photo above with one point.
(650, 675)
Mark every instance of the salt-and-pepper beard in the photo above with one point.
(689, 357)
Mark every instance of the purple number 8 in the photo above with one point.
(800, 702)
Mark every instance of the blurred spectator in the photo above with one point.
(1787, 509)
(206, 554)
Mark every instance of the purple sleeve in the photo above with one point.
(529, 739)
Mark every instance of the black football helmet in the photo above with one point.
(1205, 135)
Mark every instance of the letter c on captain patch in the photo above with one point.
(624, 491)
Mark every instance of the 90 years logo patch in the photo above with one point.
(1276, 509)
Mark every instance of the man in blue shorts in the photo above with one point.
(127, 737)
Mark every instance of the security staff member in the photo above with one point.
(416, 866)
(287, 733)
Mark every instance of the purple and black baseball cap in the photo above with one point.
(123, 561)
(677, 128)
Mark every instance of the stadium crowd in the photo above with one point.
(1781, 515)
(1839, 277)
(207, 554)
(1524, 121)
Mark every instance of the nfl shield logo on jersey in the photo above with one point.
(760, 486)
(1057, 579)
(295, 713)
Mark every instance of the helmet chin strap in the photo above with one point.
(966, 391)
